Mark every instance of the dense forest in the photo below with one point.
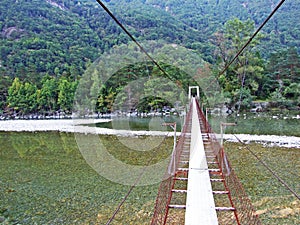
(46, 46)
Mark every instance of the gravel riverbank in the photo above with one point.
(79, 126)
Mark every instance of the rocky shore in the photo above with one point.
(80, 126)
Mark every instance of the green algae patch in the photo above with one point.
(45, 180)
(273, 202)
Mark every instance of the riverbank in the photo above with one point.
(70, 126)
(267, 140)
(79, 126)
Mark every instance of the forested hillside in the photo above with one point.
(44, 36)
(208, 16)
(48, 44)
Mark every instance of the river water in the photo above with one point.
(44, 178)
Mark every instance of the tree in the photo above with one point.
(29, 101)
(283, 70)
(14, 94)
(247, 71)
(5, 82)
(22, 98)
(66, 91)
(292, 91)
(47, 98)
(161, 92)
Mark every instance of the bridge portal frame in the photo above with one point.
(197, 91)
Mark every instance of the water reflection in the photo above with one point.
(284, 124)
(270, 123)
(138, 123)
(31, 144)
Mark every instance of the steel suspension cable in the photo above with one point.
(163, 71)
(270, 170)
(252, 37)
(132, 38)
(249, 41)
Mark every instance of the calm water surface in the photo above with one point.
(45, 180)
(250, 123)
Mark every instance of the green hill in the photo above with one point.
(53, 36)
(60, 38)
(208, 16)
(40, 36)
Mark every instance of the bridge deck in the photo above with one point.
(200, 205)
(204, 189)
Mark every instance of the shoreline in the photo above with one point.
(70, 126)
(78, 126)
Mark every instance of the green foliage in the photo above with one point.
(292, 91)
(66, 91)
(22, 97)
(119, 79)
(61, 38)
(243, 79)
(65, 36)
(32, 37)
(26, 98)
(5, 82)
(47, 95)
(14, 93)
(283, 73)
(210, 16)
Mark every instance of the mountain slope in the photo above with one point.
(208, 16)
(56, 37)
(62, 36)
(41, 37)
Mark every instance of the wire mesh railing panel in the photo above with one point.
(243, 212)
(226, 218)
(161, 207)
(161, 214)
(244, 209)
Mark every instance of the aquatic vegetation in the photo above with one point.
(45, 180)
(273, 202)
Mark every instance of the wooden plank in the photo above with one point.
(225, 209)
(177, 206)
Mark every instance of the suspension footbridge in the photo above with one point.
(201, 187)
